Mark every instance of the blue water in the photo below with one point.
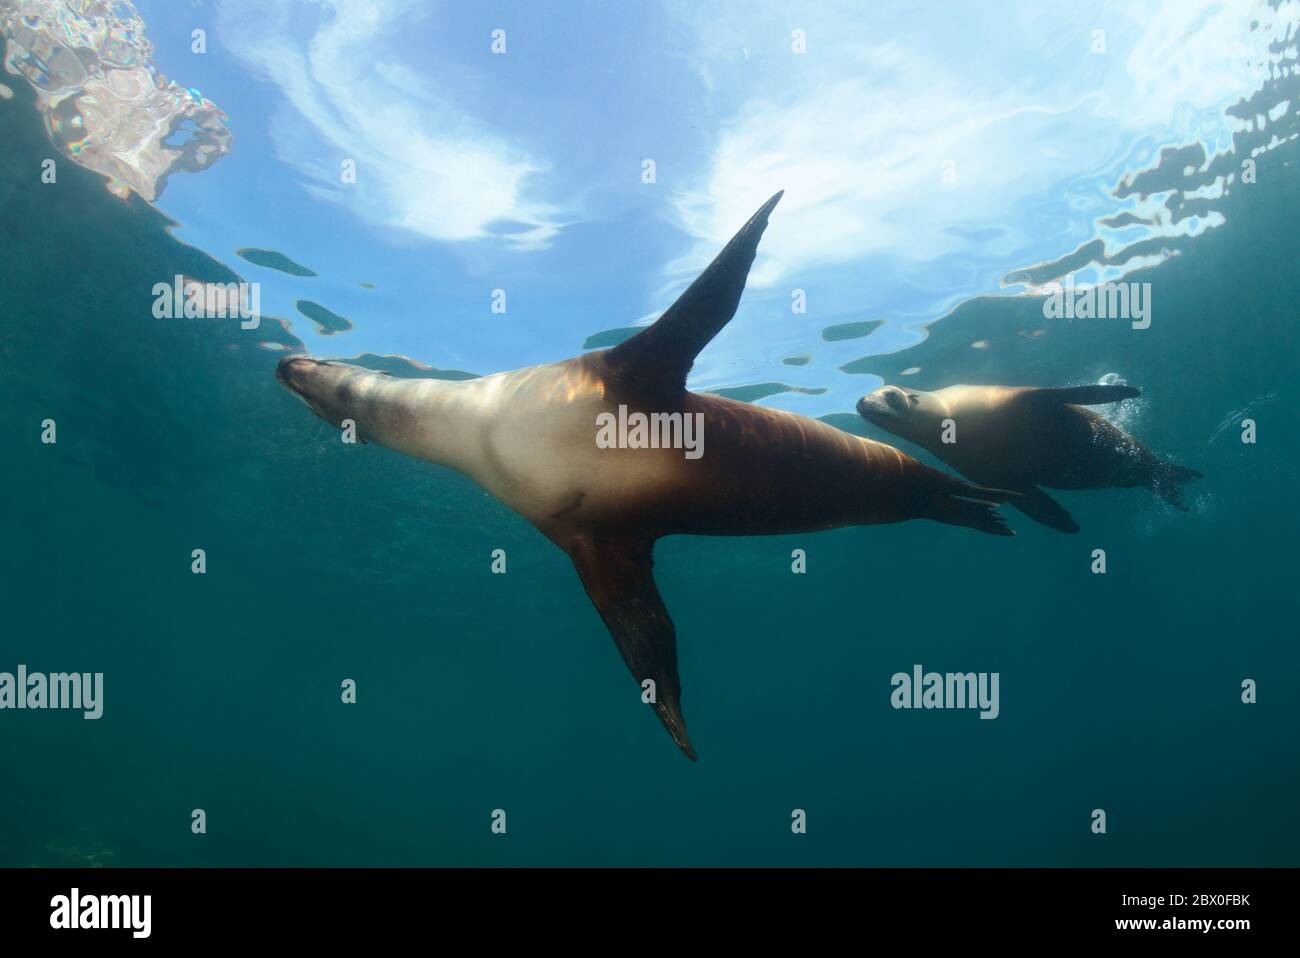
(479, 691)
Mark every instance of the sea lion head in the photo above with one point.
(325, 386)
(909, 413)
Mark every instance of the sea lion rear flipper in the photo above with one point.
(619, 579)
(1083, 395)
(1042, 508)
(961, 503)
(664, 352)
(1167, 482)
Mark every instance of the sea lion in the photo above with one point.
(539, 439)
(1023, 437)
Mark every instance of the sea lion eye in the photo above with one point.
(914, 399)
(895, 400)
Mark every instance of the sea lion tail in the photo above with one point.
(1167, 482)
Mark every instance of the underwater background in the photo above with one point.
(479, 691)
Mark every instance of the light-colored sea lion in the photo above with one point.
(1023, 437)
(549, 442)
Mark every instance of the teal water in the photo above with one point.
(479, 691)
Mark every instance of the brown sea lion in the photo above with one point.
(564, 445)
(1023, 437)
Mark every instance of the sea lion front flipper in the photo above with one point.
(619, 578)
(1042, 508)
(1083, 395)
(663, 353)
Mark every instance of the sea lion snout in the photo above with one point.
(886, 404)
(309, 377)
(292, 370)
(318, 382)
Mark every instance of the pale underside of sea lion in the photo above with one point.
(530, 438)
(1023, 437)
